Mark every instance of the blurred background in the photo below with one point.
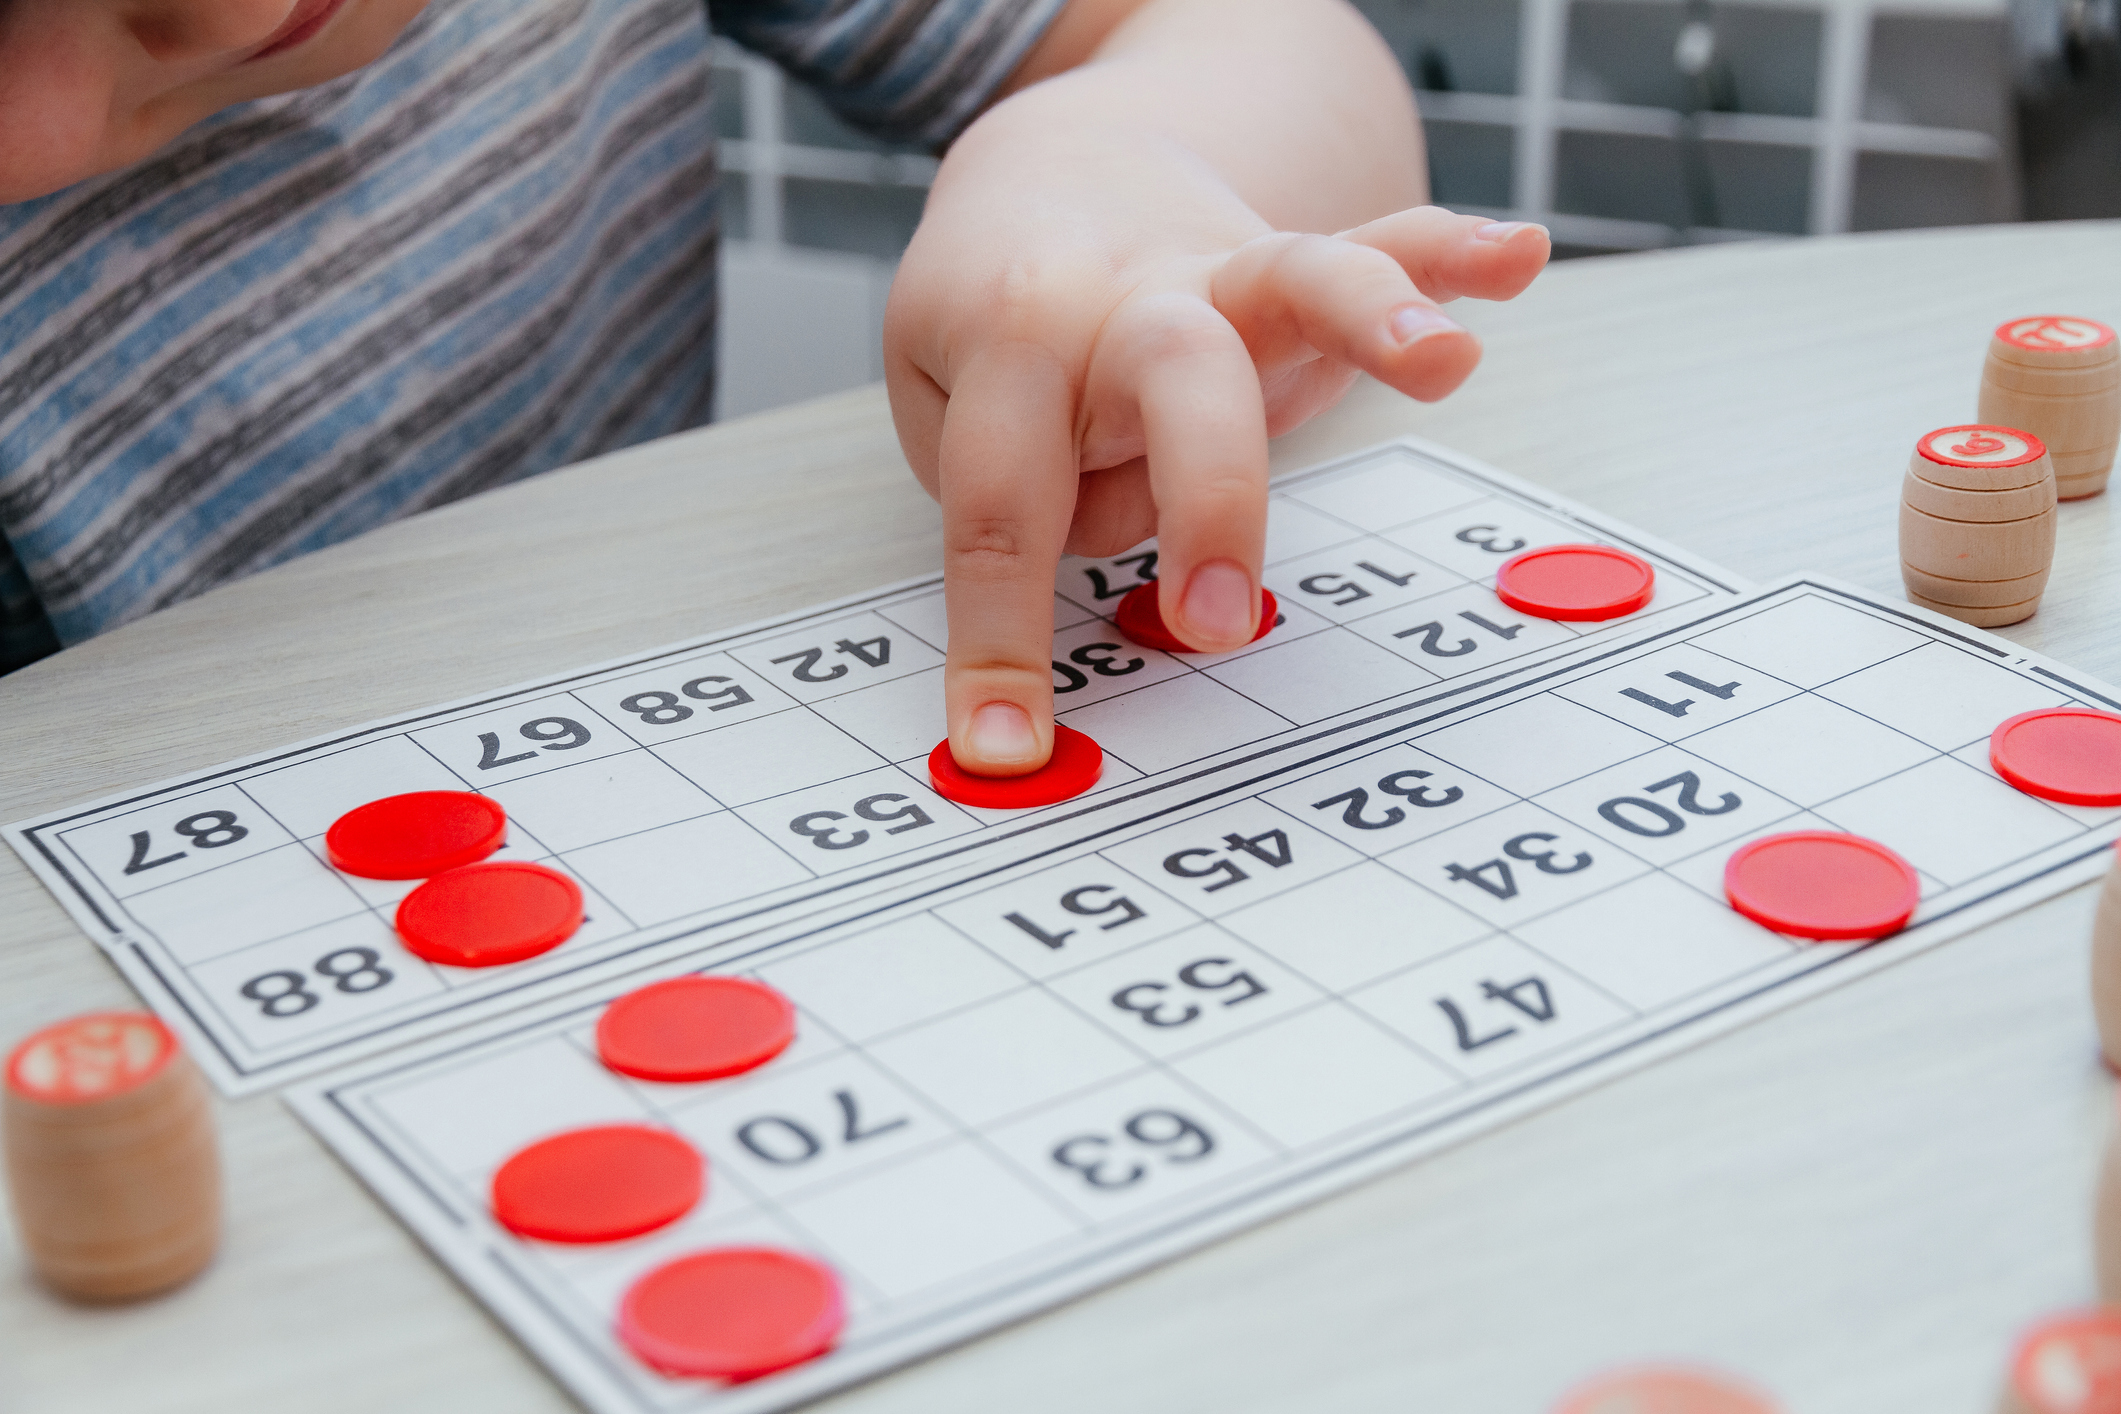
(1620, 124)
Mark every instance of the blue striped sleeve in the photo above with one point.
(909, 70)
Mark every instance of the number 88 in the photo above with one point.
(286, 993)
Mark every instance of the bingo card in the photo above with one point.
(704, 792)
(1276, 975)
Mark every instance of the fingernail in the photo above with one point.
(1001, 732)
(1415, 321)
(1500, 231)
(1218, 603)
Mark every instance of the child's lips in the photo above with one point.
(308, 17)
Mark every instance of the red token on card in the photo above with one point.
(416, 836)
(484, 915)
(695, 1028)
(1575, 582)
(1074, 767)
(2066, 754)
(1819, 884)
(1142, 620)
(733, 1313)
(601, 1184)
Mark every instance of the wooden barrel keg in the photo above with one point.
(111, 1158)
(1977, 523)
(2066, 1364)
(2059, 378)
(1665, 1389)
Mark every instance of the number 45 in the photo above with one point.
(1270, 849)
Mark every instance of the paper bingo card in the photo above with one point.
(1270, 976)
(707, 791)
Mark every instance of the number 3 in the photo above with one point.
(1492, 541)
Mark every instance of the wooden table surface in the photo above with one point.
(1857, 1202)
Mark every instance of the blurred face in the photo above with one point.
(88, 86)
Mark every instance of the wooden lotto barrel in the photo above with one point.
(1977, 523)
(2106, 987)
(2069, 1364)
(111, 1158)
(2059, 378)
(1664, 1389)
(2106, 1201)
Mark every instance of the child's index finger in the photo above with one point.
(1007, 481)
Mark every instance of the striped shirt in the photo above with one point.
(487, 254)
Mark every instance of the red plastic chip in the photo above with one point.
(1575, 582)
(1074, 767)
(599, 1184)
(2070, 1365)
(416, 836)
(733, 1313)
(695, 1028)
(1140, 619)
(1819, 884)
(484, 915)
(1663, 1389)
(2068, 754)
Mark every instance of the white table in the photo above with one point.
(1858, 1201)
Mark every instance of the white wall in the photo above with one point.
(797, 324)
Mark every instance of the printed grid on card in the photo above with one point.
(714, 786)
(1022, 1085)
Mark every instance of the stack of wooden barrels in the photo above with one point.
(1977, 506)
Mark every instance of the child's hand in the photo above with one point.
(1090, 341)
